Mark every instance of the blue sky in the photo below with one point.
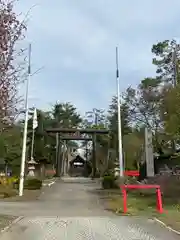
(75, 40)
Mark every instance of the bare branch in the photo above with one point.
(12, 61)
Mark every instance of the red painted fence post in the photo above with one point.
(134, 186)
(124, 193)
(159, 200)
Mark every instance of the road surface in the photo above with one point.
(69, 210)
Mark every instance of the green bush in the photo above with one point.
(108, 172)
(16, 184)
(29, 184)
(32, 184)
(109, 182)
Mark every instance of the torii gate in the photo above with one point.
(75, 134)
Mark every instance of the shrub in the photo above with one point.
(16, 183)
(170, 184)
(13, 180)
(109, 182)
(29, 184)
(32, 184)
(3, 181)
(8, 181)
(109, 172)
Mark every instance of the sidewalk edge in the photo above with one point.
(10, 225)
(166, 226)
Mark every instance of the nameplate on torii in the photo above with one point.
(75, 135)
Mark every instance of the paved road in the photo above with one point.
(69, 210)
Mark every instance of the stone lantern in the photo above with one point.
(31, 168)
(116, 168)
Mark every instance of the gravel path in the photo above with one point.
(69, 210)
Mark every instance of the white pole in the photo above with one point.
(23, 158)
(32, 144)
(119, 119)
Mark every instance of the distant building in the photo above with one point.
(79, 167)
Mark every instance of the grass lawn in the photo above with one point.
(144, 204)
(28, 195)
(9, 194)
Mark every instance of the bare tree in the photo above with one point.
(12, 60)
(144, 103)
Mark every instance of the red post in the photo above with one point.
(142, 186)
(124, 193)
(132, 173)
(159, 200)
